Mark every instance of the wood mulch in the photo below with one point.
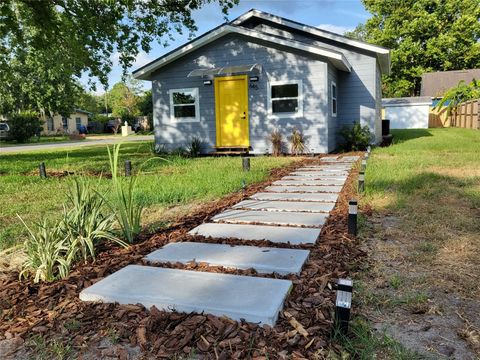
(303, 330)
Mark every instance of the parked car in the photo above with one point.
(4, 129)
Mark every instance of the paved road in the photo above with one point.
(73, 144)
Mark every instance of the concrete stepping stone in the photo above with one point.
(305, 188)
(308, 181)
(265, 260)
(275, 234)
(194, 291)
(325, 176)
(290, 218)
(317, 174)
(326, 168)
(270, 205)
(321, 197)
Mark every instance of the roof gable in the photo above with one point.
(336, 58)
(382, 54)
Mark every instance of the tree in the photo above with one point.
(145, 104)
(424, 35)
(124, 97)
(23, 126)
(61, 40)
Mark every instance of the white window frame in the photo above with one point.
(291, 115)
(197, 106)
(332, 85)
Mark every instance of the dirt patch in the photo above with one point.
(54, 312)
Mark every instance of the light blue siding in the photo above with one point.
(278, 64)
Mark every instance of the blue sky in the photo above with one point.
(337, 16)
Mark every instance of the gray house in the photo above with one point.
(232, 86)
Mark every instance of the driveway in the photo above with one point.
(73, 144)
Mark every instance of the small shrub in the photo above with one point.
(357, 138)
(128, 211)
(194, 149)
(129, 118)
(48, 256)
(276, 138)
(297, 142)
(23, 126)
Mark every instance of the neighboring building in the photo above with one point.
(434, 84)
(407, 112)
(234, 85)
(59, 124)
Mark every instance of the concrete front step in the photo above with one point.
(275, 234)
(254, 299)
(304, 189)
(270, 205)
(320, 197)
(271, 218)
(308, 181)
(264, 260)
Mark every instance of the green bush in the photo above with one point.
(129, 118)
(357, 138)
(194, 149)
(23, 126)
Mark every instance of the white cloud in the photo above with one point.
(141, 59)
(338, 29)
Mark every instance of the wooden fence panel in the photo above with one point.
(467, 116)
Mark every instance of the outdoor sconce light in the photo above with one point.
(352, 217)
(343, 304)
(253, 78)
(207, 82)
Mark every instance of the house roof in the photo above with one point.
(436, 83)
(337, 58)
(404, 101)
(382, 54)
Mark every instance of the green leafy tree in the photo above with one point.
(145, 103)
(424, 35)
(46, 46)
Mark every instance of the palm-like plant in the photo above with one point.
(459, 94)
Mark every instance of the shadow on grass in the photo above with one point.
(400, 136)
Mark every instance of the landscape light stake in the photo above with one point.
(361, 182)
(246, 164)
(369, 148)
(352, 217)
(42, 171)
(128, 168)
(343, 305)
(363, 167)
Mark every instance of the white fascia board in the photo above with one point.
(383, 53)
(337, 58)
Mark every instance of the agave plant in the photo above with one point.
(127, 209)
(297, 142)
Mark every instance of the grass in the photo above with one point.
(164, 183)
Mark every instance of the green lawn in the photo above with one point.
(164, 182)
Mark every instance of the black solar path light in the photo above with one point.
(42, 171)
(363, 166)
(128, 168)
(343, 305)
(246, 164)
(361, 182)
(352, 217)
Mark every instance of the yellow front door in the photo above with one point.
(231, 108)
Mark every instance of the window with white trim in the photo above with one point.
(333, 94)
(78, 123)
(285, 98)
(65, 123)
(184, 105)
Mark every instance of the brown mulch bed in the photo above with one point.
(302, 331)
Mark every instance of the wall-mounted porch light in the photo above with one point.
(207, 82)
(253, 78)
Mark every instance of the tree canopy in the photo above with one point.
(47, 45)
(424, 35)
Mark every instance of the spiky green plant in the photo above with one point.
(48, 255)
(194, 148)
(128, 210)
(297, 142)
(84, 219)
(276, 138)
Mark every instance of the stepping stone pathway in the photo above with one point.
(262, 259)
(269, 205)
(276, 234)
(290, 211)
(254, 298)
(272, 218)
